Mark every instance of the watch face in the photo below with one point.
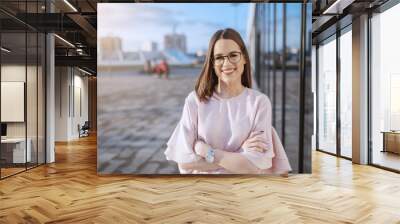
(210, 155)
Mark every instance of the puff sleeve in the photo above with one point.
(180, 146)
(262, 124)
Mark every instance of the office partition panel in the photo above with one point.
(22, 64)
(15, 149)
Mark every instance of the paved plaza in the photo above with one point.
(137, 113)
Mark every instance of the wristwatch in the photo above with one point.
(210, 155)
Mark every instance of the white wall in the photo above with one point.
(12, 73)
(62, 80)
(33, 126)
(80, 89)
(70, 82)
(314, 91)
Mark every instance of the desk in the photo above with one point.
(391, 141)
(17, 150)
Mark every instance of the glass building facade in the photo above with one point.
(282, 70)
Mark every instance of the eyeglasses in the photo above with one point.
(233, 57)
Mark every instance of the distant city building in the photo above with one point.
(111, 53)
(293, 50)
(111, 48)
(150, 46)
(201, 53)
(175, 41)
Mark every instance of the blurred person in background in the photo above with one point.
(162, 68)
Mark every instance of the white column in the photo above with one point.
(50, 99)
(314, 93)
(360, 90)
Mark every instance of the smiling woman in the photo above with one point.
(226, 126)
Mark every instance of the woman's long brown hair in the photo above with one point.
(208, 80)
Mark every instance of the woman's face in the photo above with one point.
(228, 61)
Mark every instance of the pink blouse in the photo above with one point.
(225, 124)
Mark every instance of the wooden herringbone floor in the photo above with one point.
(70, 191)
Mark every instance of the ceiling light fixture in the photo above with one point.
(70, 5)
(86, 72)
(64, 40)
(5, 49)
(337, 7)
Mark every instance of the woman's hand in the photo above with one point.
(201, 148)
(255, 143)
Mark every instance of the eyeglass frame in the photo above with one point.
(227, 56)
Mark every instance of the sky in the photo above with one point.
(137, 23)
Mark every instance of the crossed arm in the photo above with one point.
(232, 161)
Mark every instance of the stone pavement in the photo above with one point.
(136, 116)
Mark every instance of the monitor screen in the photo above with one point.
(3, 129)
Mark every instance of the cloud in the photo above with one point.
(137, 23)
(191, 22)
(125, 16)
